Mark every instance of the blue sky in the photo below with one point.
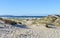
(29, 7)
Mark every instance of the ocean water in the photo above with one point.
(22, 16)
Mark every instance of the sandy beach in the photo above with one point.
(35, 32)
(30, 28)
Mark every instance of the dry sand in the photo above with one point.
(33, 32)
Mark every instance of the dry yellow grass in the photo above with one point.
(46, 20)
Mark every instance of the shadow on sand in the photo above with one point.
(20, 26)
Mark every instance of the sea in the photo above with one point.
(22, 16)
